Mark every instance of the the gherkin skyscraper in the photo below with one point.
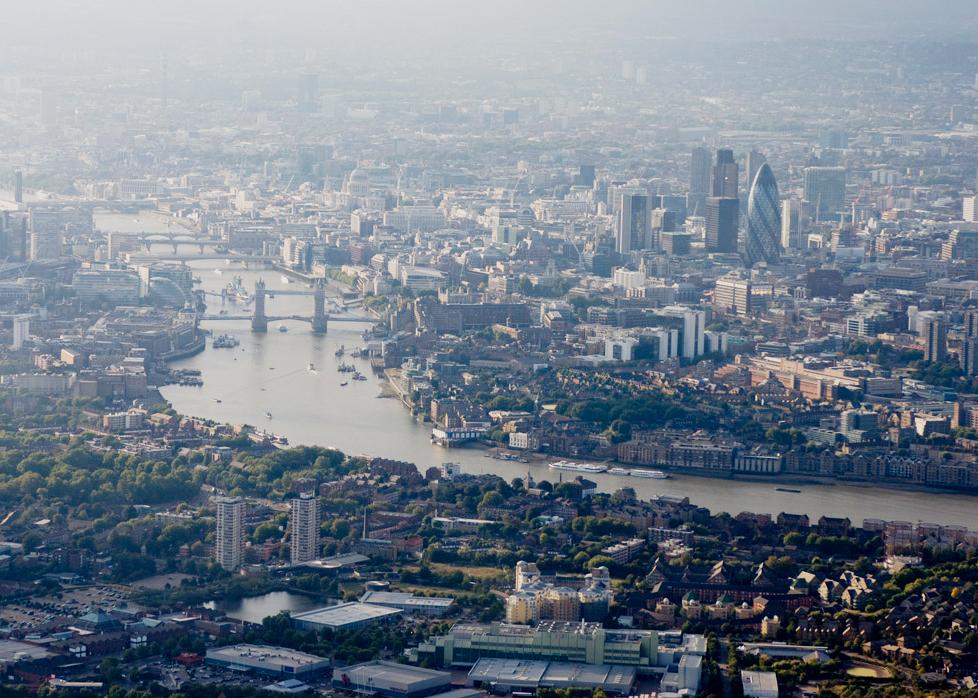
(762, 242)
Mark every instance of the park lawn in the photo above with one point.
(476, 572)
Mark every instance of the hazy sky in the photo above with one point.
(352, 23)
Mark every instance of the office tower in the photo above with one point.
(700, 165)
(825, 192)
(694, 322)
(665, 220)
(724, 176)
(675, 203)
(46, 234)
(754, 162)
(229, 539)
(935, 339)
(628, 70)
(18, 186)
(634, 223)
(674, 243)
(585, 176)
(304, 528)
(14, 245)
(722, 216)
(792, 225)
(733, 295)
(699, 171)
(762, 241)
(308, 91)
(969, 209)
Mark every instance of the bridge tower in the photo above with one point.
(259, 323)
(319, 317)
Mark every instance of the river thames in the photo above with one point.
(270, 374)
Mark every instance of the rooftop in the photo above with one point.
(618, 679)
(345, 614)
(282, 656)
(402, 598)
(388, 673)
(766, 681)
(507, 671)
(336, 562)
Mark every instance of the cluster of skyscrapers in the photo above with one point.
(769, 227)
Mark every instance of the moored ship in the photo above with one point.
(651, 474)
(578, 467)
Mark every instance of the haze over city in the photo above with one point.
(466, 349)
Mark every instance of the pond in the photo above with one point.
(253, 609)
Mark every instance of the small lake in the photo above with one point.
(253, 609)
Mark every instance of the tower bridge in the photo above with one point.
(319, 319)
(259, 323)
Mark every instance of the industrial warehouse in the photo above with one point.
(517, 675)
(409, 603)
(344, 616)
(267, 661)
(391, 680)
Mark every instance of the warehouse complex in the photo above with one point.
(509, 675)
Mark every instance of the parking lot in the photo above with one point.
(37, 612)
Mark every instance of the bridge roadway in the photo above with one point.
(213, 255)
(304, 318)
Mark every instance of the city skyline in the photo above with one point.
(453, 349)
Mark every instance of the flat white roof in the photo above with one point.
(403, 598)
(763, 681)
(381, 672)
(335, 562)
(249, 655)
(345, 614)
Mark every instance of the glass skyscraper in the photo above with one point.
(634, 223)
(762, 243)
(825, 192)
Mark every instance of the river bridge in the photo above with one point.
(319, 319)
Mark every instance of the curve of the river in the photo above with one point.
(269, 373)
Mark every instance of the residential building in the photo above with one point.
(304, 528)
(230, 537)
(934, 332)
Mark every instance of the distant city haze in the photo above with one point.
(371, 30)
